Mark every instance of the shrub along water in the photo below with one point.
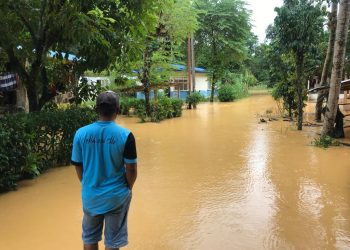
(161, 108)
(226, 93)
(231, 92)
(32, 143)
(194, 99)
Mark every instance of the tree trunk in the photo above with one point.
(299, 87)
(45, 95)
(338, 65)
(147, 62)
(31, 84)
(290, 113)
(212, 89)
(332, 25)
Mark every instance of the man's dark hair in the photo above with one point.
(106, 110)
(107, 103)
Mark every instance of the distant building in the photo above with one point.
(104, 81)
(179, 80)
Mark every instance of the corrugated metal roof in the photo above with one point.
(71, 57)
(179, 67)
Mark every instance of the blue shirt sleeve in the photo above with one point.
(77, 158)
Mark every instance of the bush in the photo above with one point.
(32, 143)
(325, 142)
(127, 103)
(177, 107)
(165, 108)
(194, 99)
(161, 108)
(226, 93)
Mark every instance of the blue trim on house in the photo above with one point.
(184, 94)
(141, 95)
(179, 67)
(71, 57)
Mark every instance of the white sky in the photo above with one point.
(263, 15)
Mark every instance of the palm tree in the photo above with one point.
(338, 65)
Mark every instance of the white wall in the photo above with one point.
(105, 81)
(202, 82)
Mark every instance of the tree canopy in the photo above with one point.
(221, 39)
(297, 30)
(96, 31)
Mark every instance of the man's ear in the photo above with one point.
(117, 110)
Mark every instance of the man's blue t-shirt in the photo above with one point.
(101, 149)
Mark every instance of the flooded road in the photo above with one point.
(214, 179)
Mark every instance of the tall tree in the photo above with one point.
(175, 20)
(332, 25)
(221, 37)
(338, 65)
(298, 26)
(96, 31)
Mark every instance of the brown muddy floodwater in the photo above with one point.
(214, 179)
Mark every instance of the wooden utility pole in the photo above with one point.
(189, 68)
(193, 65)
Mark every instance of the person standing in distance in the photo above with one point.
(104, 155)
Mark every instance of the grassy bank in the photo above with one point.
(259, 90)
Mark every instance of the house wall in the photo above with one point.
(202, 86)
(202, 82)
(105, 81)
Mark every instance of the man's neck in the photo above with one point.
(106, 119)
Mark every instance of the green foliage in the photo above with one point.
(259, 63)
(127, 104)
(194, 99)
(234, 86)
(240, 90)
(249, 79)
(286, 92)
(226, 93)
(297, 31)
(176, 107)
(84, 91)
(162, 46)
(32, 143)
(165, 108)
(222, 36)
(298, 26)
(325, 141)
(140, 110)
(161, 108)
(97, 32)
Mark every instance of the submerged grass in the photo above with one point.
(325, 142)
(259, 90)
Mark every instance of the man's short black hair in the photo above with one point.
(107, 103)
(106, 110)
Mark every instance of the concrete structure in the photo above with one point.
(179, 79)
(104, 81)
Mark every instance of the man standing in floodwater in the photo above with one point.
(104, 155)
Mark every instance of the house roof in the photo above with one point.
(70, 57)
(344, 85)
(179, 67)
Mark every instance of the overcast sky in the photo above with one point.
(263, 15)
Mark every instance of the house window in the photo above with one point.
(181, 83)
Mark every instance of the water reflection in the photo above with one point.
(213, 179)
